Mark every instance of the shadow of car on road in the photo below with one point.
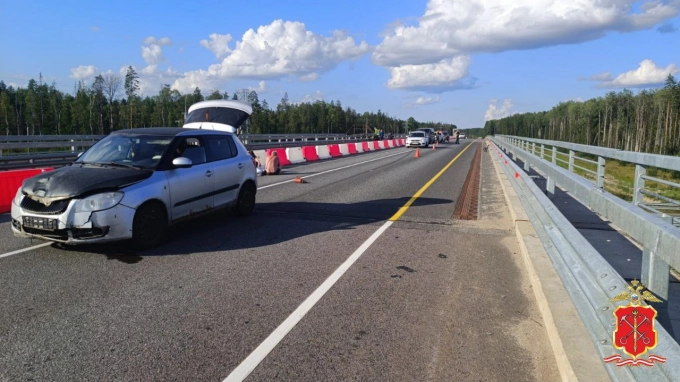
(270, 224)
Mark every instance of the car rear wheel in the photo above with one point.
(149, 225)
(245, 204)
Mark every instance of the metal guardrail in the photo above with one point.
(71, 145)
(656, 233)
(589, 279)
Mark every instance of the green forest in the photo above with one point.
(648, 121)
(112, 102)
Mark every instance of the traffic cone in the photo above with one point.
(434, 147)
(299, 180)
(417, 153)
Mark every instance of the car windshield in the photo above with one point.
(417, 135)
(223, 115)
(139, 151)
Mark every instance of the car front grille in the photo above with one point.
(55, 208)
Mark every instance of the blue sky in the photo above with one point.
(461, 62)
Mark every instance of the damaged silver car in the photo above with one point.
(135, 183)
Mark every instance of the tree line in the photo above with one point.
(648, 121)
(112, 102)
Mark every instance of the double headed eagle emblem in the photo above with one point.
(635, 294)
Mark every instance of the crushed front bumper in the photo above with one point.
(69, 227)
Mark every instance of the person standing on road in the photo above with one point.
(457, 137)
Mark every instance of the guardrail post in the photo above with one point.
(533, 148)
(527, 166)
(554, 155)
(542, 151)
(639, 184)
(571, 160)
(73, 148)
(600, 172)
(655, 273)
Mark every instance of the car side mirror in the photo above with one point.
(182, 162)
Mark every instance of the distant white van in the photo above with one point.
(222, 115)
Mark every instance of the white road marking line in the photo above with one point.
(25, 249)
(326, 172)
(258, 355)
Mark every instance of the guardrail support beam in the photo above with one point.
(639, 184)
(571, 160)
(600, 172)
(655, 273)
(542, 151)
(554, 155)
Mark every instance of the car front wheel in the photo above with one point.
(149, 225)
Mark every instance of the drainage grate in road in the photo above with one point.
(466, 207)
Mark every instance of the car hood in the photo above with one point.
(75, 180)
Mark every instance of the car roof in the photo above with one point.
(168, 131)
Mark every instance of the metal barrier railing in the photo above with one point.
(70, 145)
(644, 195)
(588, 278)
(655, 231)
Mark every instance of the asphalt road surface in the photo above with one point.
(331, 280)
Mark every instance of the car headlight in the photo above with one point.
(99, 202)
(18, 197)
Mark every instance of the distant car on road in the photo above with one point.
(445, 135)
(417, 139)
(134, 183)
(432, 137)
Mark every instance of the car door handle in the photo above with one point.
(208, 173)
(240, 165)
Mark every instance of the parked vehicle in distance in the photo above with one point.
(432, 136)
(135, 183)
(417, 139)
(445, 135)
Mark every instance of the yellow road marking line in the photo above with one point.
(427, 185)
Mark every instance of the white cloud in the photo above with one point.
(444, 75)
(493, 112)
(647, 74)
(163, 41)
(218, 44)
(453, 27)
(309, 77)
(261, 87)
(84, 72)
(153, 52)
(311, 98)
(606, 76)
(277, 50)
(427, 100)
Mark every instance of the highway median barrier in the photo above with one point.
(295, 155)
(309, 153)
(334, 150)
(322, 152)
(344, 148)
(10, 181)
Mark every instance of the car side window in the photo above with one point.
(219, 148)
(194, 149)
(232, 145)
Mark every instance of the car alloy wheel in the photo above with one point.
(149, 225)
(245, 204)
